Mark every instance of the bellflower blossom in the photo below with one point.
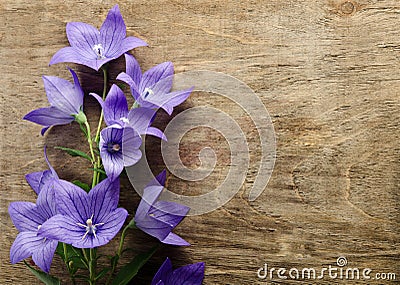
(94, 48)
(159, 218)
(85, 220)
(119, 148)
(191, 274)
(152, 89)
(28, 218)
(117, 114)
(65, 98)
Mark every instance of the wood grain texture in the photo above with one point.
(328, 71)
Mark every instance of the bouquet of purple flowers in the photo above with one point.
(74, 219)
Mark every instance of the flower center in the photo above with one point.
(89, 227)
(99, 50)
(113, 147)
(147, 92)
(125, 120)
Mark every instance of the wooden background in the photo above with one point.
(328, 71)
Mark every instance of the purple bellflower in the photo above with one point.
(191, 274)
(39, 180)
(119, 148)
(159, 218)
(152, 89)
(85, 220)
(65, 98)
(28, 218)
(94, 48)
(117, 114)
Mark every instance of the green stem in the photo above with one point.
(118, 255)
(67, 263)
(89, 138)
(97, 164)
(92, 266)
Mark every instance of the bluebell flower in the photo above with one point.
(66, 101)
(28, 218)
(153, 88)
(191, 274)
(159, 218)
(85, 220)
(94, 48)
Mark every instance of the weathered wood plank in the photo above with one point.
(328, 71)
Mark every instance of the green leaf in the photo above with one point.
(102, 273)
(98, 170)
(44, 277)
(132, 268)
(82, 185)
(83, 129)
(75, 152)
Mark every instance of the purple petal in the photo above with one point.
(72, 201)
(128, 80)
(25, 216)
(169, 212)
(151, 226)
(103, 199)
(70, 54)
(156, 132)
(163, 272)
(46, 203)
(130, 43)
(150, 195)
(98, 98)
(160, 179)
(140, 119)
(62, 228)
(112, 32)
(170, 100)
(24, 245)
(131, 142)
(155, 74)
(115, 106)
(43, 256)
(49, 116)
(83, 38)
(113, 222)
(112, 161)
(37, 179)
(191, 274)
(174, 239)
(63, 95)
(133, 69)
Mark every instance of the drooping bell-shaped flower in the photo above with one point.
(66, 101)
(159, 218)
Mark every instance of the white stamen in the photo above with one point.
(99, 50)
(147, 92)
(38, 227)
(125, 120)
(89, 227)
